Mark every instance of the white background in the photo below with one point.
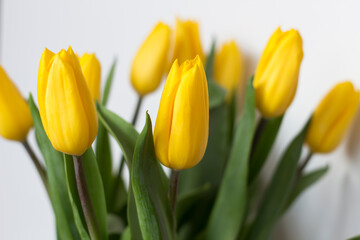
(331, 36)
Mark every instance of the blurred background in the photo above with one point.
(330, 210)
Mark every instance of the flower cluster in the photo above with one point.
(198, 132)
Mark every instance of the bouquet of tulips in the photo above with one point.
(214, 147)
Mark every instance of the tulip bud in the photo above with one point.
(151, 60)
(187, 41)
(228, 67)
(277, 73)
(66, 107)
(91, 69)
(182, 124)
(332, 118)
(15, 117)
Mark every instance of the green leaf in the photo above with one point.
(123, 132)
(115, 224)
(56, 177)
(74, 197)
(355, 238)
(303, 183)
(187, 203)
(104, 161)
(228, 212)
(126, 136)
(96, 190)
(210, 168)
(120, 198)
(151, 199)
(126, 234)
(263, 146)
(216, 94)
(108, 83)
(133, 218)
(278, 190)
(209, 66)
(95, 187)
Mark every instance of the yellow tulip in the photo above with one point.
(228, 67)
(332, 118)
(182, 124)
(151, 60)
(67, 109)
(91, 68)
(15, 117)
(187, 41)
(277, 73)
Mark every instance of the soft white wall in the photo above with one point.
(329, 210)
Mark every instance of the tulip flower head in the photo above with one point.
(182, 124)
(187, 43)
(228, 67)
(332, 118)
(15, 117)
(150, 62)
(277, 73)
(67, 109)
(91, 68)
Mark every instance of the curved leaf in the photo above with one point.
(151, 199)
(123, 132)
(108, 83)
(355, 238)
(228, 212)
(278, 190)
(96, 190)
(216, 94)
(263, 146)
(126, 136)
(57, 181)
(186, 204)
(126, 234)
(305, 182)
(104, 161)
(209, 66)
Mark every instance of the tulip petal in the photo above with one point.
(228, 67)
(15, 117)
(67, 122)
(91, 68)
(44, 67)
(150, 62)
(332, 118)
(189, 128)
(164, 117)
(276, 76)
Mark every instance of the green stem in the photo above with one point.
(137, 109)
(85, 200)
(39, 167)
(259, 130)
(305, 162)
(173, 189)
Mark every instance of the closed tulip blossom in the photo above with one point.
(67, 109)
(15, 117)
(228, 67)
(150, 61)
(332, 118)
(182, 125)
(91, 68)
(277, 73)
(187, 43)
